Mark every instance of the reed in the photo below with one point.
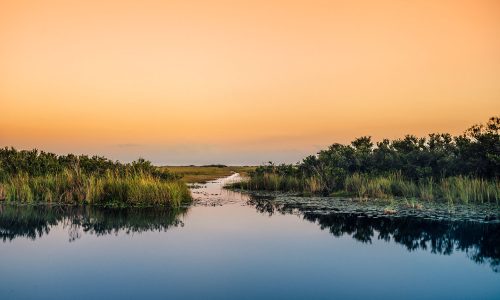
(461, 189)
(452, 189)
(276, 182)
(111, 189)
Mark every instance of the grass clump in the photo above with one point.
(138, 190)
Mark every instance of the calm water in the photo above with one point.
(229, 246)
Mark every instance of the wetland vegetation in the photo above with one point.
(40, 177)
(463, 168)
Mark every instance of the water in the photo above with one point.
(231, 246)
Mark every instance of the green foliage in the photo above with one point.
(111, 189)
(451, 189)
(465, 167)
(32, 176)
(137, 190)
(38, 163)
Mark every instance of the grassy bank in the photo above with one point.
(201, 174)
(452, 189)
(39, 177)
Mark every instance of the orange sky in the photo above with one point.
(240, 82)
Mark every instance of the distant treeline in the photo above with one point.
(35, 176)
(215, 166)
(363, 165)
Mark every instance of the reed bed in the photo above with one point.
(460, 189)
(110, 189)
(452, 189)
(273, 182)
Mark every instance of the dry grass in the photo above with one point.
(201, 174)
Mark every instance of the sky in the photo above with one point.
(241, 82)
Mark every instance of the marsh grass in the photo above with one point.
(271, 182)
(276, 182)
(452, 189)
(459, 189)
(111, 189)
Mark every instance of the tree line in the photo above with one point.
(475, 153)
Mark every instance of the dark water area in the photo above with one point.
(230, 245)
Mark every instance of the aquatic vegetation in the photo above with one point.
(39, 177)
(451, 189)
(464, 168)
(138, 190)
(72, 187)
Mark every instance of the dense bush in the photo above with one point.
(39, 163)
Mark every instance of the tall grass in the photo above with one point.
(110, 189)
(452, 189)
(276, 182)
(460, 189)
(381, 187)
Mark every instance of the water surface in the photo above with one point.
(230, 245)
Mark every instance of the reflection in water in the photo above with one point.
(481, 241)
(35, 221)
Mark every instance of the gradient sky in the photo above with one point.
(241, 82)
